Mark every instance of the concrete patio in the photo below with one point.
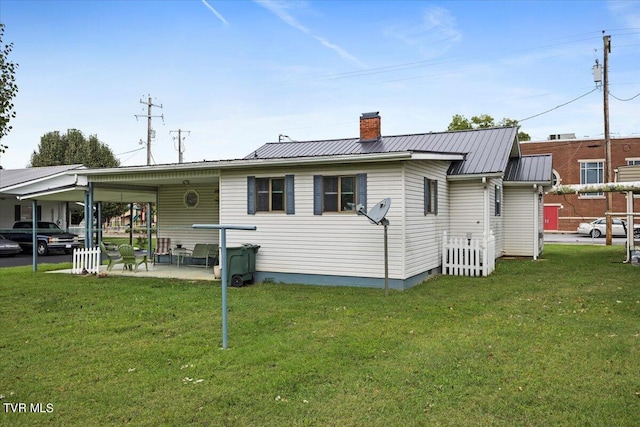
(161, 271)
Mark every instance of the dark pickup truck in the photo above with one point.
(50, 237)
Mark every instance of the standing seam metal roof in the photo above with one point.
(11, 177)
(486, 150)
(530, 169)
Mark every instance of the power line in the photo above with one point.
(625, 100)
(558, 106)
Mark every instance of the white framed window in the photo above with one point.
(270, 195)
(592, 172)
(430, 196)
(633, 161)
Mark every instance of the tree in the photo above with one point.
(459, 122)
(74, 148)
(8, 87)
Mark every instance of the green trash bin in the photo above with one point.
(241, 264)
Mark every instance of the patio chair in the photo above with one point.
(163, 248)
(112, 256)
(204, 251)
(130, 258)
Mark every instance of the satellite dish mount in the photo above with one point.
(377, 216)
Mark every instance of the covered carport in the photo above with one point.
(172, 184)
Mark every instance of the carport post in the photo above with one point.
(223, 268)
(34, 233)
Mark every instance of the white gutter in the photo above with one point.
(50, 192)
(36, 181)
(474, 176)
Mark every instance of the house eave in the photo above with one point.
(474, 176)
(526, 183)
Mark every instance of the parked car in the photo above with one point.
(9, 247)
(49, 237)
(598, 228)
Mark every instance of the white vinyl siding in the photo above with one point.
(175, 219)
(337, 243)
(519, 220)
(50, 212)
(466, 203)
(496, 221)
(423, 234)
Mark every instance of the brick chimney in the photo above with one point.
(369, 127)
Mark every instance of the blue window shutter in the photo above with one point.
(317, 194)
(251, 195)
(427, 195)
(16, 213)
(39, 209)
(435, 197)
(289, 194)
(361, 184)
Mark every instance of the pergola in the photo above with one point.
(630, 188)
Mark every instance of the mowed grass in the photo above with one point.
(553, 342)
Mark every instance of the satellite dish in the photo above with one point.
(377, 216)
(378, 211)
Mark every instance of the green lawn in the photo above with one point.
(548, 343)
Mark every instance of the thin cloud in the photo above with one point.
(215, 12)
(437, 31)
(279, 9)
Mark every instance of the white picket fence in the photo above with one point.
(462, 256)
(86, 259)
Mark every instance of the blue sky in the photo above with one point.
(236, 74)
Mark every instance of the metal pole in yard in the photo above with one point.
(224, 268)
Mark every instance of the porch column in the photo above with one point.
(86, 219)
(149, 229)
(88, 222)
(99, 223)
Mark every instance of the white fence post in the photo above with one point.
(86, 260)
(467, 256)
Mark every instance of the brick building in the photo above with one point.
(581, 161)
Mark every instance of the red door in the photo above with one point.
(551, 218)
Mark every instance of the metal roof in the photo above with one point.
(485, 150)
(11, 177)
(529, 169)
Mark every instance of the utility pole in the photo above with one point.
(149, 128)
(607, 136)
(180, 146)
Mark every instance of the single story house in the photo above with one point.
(303, 198)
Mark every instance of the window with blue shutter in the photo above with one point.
(339, 193)
(270, 195)
(251, 195)
(290, 194)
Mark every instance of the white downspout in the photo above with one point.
(536, 223)
(630, 241)
(485, 214)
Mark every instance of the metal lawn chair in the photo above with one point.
(130, 258)
(206, 252)
(163, 248)
(112, 256)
